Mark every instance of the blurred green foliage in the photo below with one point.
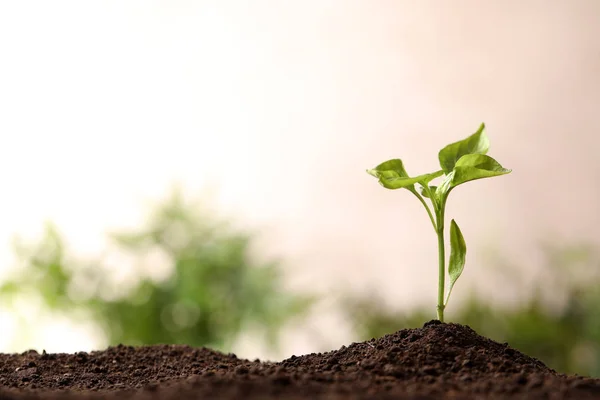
(559, 324)
(213, 289)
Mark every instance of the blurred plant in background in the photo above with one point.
(211, 291)
(563, 334)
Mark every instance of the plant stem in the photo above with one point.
(441, 262)
(427, 207)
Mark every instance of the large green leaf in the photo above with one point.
(477, 143)
(458, 254)
(476, 166)
(393, 175)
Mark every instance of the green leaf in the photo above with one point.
(424, 192)
(476, 166)
(393, 175)
(444, 187)
(389, 168)
(477, 143)
(458, 253)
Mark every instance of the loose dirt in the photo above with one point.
(433, 362)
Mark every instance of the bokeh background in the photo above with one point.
(194, 172)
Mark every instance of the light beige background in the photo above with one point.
(283, 105)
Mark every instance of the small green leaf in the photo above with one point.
(477, 143)
(392, 175)
(476, 166)
(395, 166)
(458, 253)
(445, 186)
(424, 192)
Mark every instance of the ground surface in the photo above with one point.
(436, 361)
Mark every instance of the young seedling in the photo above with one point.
(461, 162)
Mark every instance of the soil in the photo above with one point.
(435, 361)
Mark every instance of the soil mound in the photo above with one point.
(435, 361)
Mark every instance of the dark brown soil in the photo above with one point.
(436, 361)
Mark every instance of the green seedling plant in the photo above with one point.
(461, 162)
